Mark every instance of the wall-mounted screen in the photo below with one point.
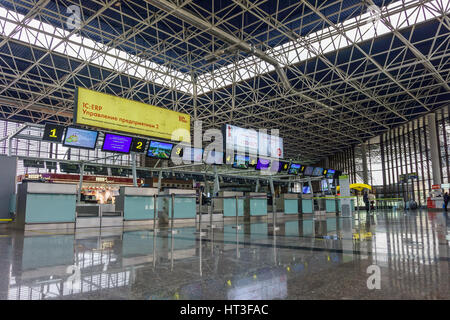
(262, 164)
(240, 161)
(308, 171)
(116, 143)
(193, 154)
(160, 150)
(214, 157)
(138, 145)
(317, 171)
(80, 138)
(294, 168)
(330, 173)
(53, 132)
(337, 174)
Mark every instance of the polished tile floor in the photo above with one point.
(320, 258)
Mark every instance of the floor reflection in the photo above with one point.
(325, 257)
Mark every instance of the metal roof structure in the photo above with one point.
(327, 74)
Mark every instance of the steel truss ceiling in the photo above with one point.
(311, 69)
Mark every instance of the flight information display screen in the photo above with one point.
(117, 143)
(317, 171)
(240, 161)
(308, 171)
(160, 150)
(80, 138)
(263, 164)
(330, 173)
(294, 168)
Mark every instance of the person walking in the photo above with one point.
(446, 197)
(366, 201)
(372, 199)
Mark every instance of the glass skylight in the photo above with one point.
(55, 39)
(357, 29)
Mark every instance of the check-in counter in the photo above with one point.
(288, 203)
(326, 204)
(45, 206)
(228, 205)
(330, 205)
(352, 205)
(137, 205)
(307, 204)
(110, 216)
(185, 208)
(88, 216)
(255, 205)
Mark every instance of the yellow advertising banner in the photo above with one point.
(106, 111)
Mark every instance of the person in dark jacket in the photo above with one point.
(446, 197)
(366, 201)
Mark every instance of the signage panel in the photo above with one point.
(102, 110)
(53, 133)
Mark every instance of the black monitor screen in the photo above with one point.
(337, 174)
(309, 171)
(294, 168)
(262, 164)
(317, 172)
(240, 161)
(330, 174)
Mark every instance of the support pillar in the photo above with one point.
(434, 150)
(133, 169)
(364, 163)
(80, 185)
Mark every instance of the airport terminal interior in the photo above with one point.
(224, 149)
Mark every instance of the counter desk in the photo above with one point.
(45, 206)
(137, 205)
(185, 207)
(255, 207)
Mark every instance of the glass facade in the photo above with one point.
(402, 150)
